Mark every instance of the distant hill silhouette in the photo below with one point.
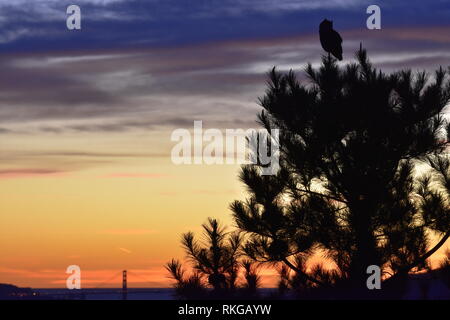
(11, 292)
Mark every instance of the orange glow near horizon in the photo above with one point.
(127, 213)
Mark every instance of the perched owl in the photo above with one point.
(330, 40)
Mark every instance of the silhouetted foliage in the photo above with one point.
(294, 280)
(252, 278)
(188, 287)
(363, 175)
(216, 260)
(291, 279)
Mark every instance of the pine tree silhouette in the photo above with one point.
(350, 184)
(216, 260)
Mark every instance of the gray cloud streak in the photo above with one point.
(150, 89)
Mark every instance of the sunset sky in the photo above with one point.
(86, 117)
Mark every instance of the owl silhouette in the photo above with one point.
(330, 40)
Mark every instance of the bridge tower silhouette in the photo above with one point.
(124, 285)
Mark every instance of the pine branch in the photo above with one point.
(302, 274)
(422, 259)
(322, 195)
